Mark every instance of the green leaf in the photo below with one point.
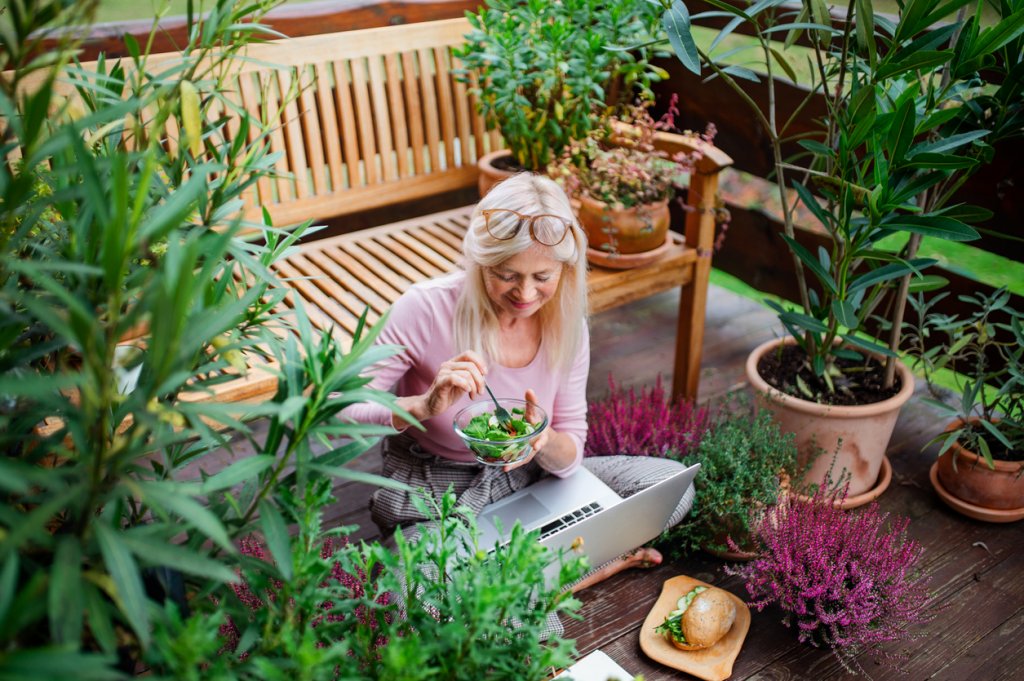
(898, 64)
(359, 476)
(927, 282)
(160, 553)
(676, 22)
(275, 533)
(66, 603)
(129, 594)
(865, 25)
(170, 498)
(845, 313)
(53, 663)
(803, 321)
(991, 39)
(790, 73)
(937, 226)
(812, 263)
(945, 144)
(240, 471)
(941, 161)
(809, 200)
(893, 270)
(902, 130)
(864, 344)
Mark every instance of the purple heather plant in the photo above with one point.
(644, 423)
(846, 580)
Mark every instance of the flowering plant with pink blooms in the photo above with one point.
(848, 580)
(644, 423)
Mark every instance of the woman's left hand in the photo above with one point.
(539, 442)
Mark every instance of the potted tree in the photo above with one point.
(980, 467)
(544, 75)
(909, 115)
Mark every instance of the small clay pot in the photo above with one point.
(971, 479)
(627, 230)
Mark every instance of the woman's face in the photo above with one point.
(520, 286)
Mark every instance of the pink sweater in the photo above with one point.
(421, 322)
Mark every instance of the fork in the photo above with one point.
(504, 418)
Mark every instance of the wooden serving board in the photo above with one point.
(714, 663)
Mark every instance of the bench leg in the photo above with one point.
(700, 235)
(690, 332)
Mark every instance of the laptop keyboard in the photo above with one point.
(570, 519)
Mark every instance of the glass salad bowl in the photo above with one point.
(491, 443)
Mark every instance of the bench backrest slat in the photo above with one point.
(360, 119)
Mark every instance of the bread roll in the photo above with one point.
(709, 618)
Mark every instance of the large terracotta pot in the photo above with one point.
(972, 481)
(625, 231)
(857, 435)
(491, 175)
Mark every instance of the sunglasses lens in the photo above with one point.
(549, 229)
(503, 224)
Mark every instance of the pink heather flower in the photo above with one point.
(844, 579)
(644, 424)
(351, 586)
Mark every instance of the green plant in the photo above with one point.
(912, 110)
(619, 165)
(545, 72)
(437, 607)
(109, 223)
(744, 463)
(985, 349)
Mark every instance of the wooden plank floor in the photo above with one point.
(977, 569)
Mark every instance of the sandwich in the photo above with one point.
(702, 617)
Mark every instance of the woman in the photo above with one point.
(515, 317)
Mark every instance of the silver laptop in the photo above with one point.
(582, 507)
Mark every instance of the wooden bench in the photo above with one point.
(380, 118)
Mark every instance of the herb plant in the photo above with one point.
(644, 423)
(985, 349)
(845, 580)
(545, 72)
(619, 165)
(745, 461)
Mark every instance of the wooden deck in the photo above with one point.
(977, 568)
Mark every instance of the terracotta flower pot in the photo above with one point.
(857, 435)
(972, 481)
(625, 231)
(490, 174)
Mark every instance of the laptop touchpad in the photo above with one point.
(526, 509)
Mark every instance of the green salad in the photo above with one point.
(486, 426)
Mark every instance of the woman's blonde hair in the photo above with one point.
(564, 317)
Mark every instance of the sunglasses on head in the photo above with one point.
(504, 224)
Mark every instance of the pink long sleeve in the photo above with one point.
(420, 321)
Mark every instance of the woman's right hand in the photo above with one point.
(460, 375)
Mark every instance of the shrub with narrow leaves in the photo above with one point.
(644, 423)
(847, 580)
